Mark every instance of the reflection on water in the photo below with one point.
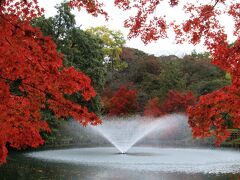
(20, 167)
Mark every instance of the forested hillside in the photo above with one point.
(153, 77)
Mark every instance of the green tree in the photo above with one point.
(58, 26)
(159, 76)
(201, 76)
(113, 44)
(80, 49)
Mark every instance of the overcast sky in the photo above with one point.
(161, 47)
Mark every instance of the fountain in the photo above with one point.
(125, 133)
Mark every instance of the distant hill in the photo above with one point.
(154, 76)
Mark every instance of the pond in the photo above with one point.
(139, 163)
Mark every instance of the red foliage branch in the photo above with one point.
(93, 7)
(25, 9)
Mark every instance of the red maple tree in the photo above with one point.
(173, 103)
(31, 61)
(123, 102)
(177, 101)
(153, 108)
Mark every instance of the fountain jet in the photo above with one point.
(124, 132)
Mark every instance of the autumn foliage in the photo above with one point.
(123, 102)
(215, 114)
(173, 103)
(178, 102)
(33, 78)
(153, 108)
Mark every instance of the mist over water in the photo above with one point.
(125, 132)
(130, 135)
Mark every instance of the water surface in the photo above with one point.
(139, 163)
